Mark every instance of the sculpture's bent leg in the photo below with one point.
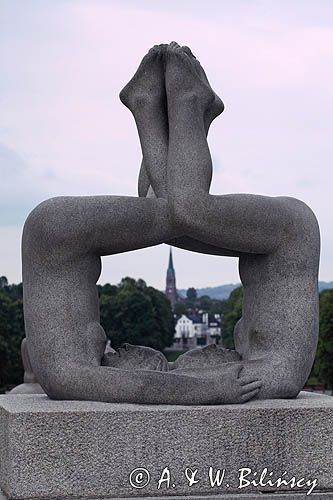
(62, 241)
(277, 237)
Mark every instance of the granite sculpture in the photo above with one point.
(30, 383)
(275, 238)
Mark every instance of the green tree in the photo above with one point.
(180, 308)
(11, 334)
(324, 357)
(232, 312)
(212, 306)
(3, 282)
(130, 312)
(193, 304)
(136, 313)
(191, 294)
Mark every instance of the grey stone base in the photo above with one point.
(250, 496)
(76, 449)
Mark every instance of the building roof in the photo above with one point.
(195, 318)
(198, 319)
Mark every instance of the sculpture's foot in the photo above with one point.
(147, 85)
(135, 357)
(206, 357)
(185, 78)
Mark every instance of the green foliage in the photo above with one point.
(3, 282)
(232, 312)
(180, 308)
(136, 313)
(212, 306)
(191, 294)
(324, 357)
(192, 306)
(173, 355)
(11, 333)
(130, 312)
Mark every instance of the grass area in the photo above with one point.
(172, 355)
(313, 381)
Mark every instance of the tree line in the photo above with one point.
(139, 314)
(322, 371)
(130, 312)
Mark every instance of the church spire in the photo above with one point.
(170, 267)
(171, 290)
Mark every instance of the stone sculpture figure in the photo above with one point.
(275, 238)
(30, 383)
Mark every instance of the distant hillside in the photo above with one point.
(222, 292)
(323, 285)
(215, 292)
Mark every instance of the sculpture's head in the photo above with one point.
(136, 357)
(204, 357)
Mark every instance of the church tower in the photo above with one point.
(171, 291)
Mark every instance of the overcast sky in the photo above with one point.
(63, 130)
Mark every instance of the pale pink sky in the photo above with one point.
(63, 129)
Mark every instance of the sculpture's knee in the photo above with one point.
(302, 222)
(281, 380)
(39, 222)
(62, 383)
(286, 389)
(47, 224)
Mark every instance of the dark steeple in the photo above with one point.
(170, 290)
(170, 267)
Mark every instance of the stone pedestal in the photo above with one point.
(78, 449)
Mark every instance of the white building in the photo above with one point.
(197, 330)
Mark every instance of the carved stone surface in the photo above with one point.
(256, 496)
(30, 385)
(57, 449)
(275, 239)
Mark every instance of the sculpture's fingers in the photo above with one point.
(246, 379)
(238, 370)
(249, 395)
(161, 363)
(165, 364)
(251, 387)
